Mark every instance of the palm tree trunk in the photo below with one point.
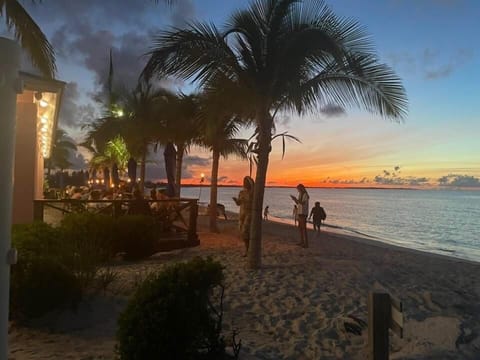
(179, 163)
(213, 191)
(143, 161)
(255, 246)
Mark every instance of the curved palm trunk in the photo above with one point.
(255, 247)
(178, 170)
(143, 161)
(213, 191)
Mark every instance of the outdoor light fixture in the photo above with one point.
(44, 119)
(43, 103)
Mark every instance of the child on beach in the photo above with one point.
(318, 214)
(265, 213)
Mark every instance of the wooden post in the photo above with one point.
(192, 223)
(37, 210)
(379, 315)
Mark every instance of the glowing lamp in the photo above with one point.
(43, 103)
(44, 119)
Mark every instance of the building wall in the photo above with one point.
(26, 172)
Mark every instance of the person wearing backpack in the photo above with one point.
(318, 214)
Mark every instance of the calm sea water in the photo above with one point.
(437, 221)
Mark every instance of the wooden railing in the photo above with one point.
(176, 209)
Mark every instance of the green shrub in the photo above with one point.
(171, 316)
(41, 280)
(90, 239)
(136, 236)
(37, 238)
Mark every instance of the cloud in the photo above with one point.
(431, 63)
(400, 181)
(455, 180)
(73, 114)
(78, 161)
(392, 178)
(332, 110)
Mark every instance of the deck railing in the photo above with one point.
(182, 212)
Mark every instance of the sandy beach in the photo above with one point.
(297, 305)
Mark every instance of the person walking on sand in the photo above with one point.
(265, 213)
(245, 201)
(302, 212)
(318, 214)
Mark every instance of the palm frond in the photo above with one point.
(31, 37)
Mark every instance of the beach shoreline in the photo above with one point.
(297, 305)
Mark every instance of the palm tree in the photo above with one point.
(276, 56)
(219, 133)
(60, 152)
(144, 120)
(114, 152)
(182, 128)
(31, 37)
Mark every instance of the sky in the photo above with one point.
(433, 45)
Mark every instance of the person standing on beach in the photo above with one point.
(302, 212)
(245, 201)
(318, 214)
(265, 213)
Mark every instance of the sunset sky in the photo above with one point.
(433, 45)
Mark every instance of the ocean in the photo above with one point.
(444, 222)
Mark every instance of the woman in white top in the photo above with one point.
(302, 213)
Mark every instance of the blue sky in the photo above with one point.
(432, 45)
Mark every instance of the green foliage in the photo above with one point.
(171, 315)
(136, 235)
(41, 284)
(90, 238)
(41, 280)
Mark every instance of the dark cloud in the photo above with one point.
(332, 110)
(389, 177)
(431, 63)
(455, 180)
(78, 161)
(223, 179)
(73, 114)
(155, 168)
(183, 12)
(400, 181)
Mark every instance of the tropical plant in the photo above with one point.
(60, 152)
(144, 120)
(277, 56)
(114, 152)
(219, 131)
(31, 37)
(182, 128)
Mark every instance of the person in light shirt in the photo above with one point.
(302, 213)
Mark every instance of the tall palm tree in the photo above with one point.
(31, 37)
(182, 128)
(60, 152)
(281, 55)
(144, 120)
(219, 137)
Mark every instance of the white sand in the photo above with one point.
(297, 305)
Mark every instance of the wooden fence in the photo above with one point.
(181, 213)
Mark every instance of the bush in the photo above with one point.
(170, 316)
(41, 280)
(37, 238)
(40, 285)
(90, 239)
(136, 236)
